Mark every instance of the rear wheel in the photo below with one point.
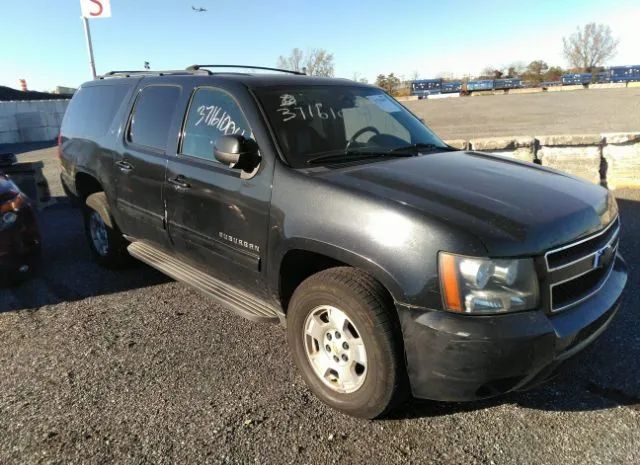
(108, 246)
(345, 340)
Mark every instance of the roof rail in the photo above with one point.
(116, 74)
(265, 68)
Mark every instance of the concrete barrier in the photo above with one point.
(407, 98)
(608, 85)
(526, 90)
(478, 93)
(570, 88)
(622, 156)
(611, 159)
(441, 96)
(459, 144)
(30, 121)
(520, 148)
(579, 155)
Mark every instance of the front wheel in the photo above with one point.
(345, 340)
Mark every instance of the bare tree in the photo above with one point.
(590, 46)
(294, 62)
(515, 69)
(356, 78)
(490, 72)
(316, 62)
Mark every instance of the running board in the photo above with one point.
(228, 296)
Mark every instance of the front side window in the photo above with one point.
(315, 124)
(212, 113)
(152, 115)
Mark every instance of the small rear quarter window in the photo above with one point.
(92, 109)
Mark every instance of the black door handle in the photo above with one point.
(124, 166)
(180, 182)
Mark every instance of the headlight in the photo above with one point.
(13, 204)
(8, 209)
(483, 285)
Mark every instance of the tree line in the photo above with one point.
(587, 49)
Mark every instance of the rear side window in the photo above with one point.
(152, 114)
(92, 109)
(212, 113)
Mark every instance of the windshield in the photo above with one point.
(318, 124)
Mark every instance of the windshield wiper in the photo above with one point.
(420, 147)
(353, 155)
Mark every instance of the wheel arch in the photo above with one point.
(303, 260)
(86, 184)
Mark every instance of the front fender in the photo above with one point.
(395, 243)
(337, 253)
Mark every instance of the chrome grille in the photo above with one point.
(578, 270)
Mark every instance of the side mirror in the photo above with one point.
(239, 153)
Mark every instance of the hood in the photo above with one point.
(514, 208)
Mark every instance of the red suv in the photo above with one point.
(19, 235)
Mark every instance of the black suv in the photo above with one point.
(397, 264)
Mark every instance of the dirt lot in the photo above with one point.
(576, 112)
(133, 368)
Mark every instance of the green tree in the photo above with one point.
(535, 72)
(554, 73)
(390, 83)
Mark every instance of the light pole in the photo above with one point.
(87, 34)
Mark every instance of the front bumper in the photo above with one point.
(452, 357)
(19, 245)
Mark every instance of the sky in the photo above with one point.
(43, 41)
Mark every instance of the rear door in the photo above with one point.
(141, 167)
(217, 220)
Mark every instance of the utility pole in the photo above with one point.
(93, 9)
(87, 34)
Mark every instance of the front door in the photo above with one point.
(216, 220)
(141, 168)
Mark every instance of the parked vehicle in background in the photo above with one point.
(396, 263)
(423, 88)
(624, 73)
(482, 84)
(576, 79)
(19, 235)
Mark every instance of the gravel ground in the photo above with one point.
(578, 112)
(133, 368)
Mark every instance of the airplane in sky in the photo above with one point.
(198, 10)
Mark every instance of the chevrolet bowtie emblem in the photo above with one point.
(601, 256)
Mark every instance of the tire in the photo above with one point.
(110, 249)
(366, 319)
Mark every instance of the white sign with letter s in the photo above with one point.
(96, 8)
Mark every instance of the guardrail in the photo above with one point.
(610, 159)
